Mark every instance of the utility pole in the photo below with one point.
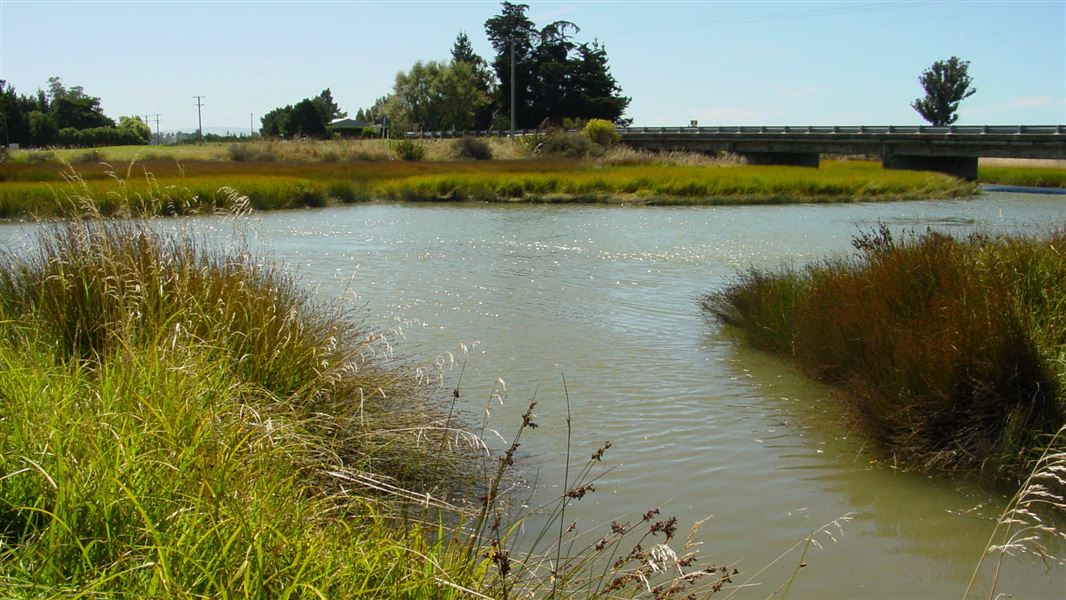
(251, 128)
(158, 140)
(199, 118)
(512, 86)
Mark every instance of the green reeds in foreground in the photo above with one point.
(952, 352)
(181, 421)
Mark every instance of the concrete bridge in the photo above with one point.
(952, 149)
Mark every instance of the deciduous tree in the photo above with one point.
(946, 84)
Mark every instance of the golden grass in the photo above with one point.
(33, 189)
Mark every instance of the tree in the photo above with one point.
(309, 117)
(946, 84)
(329, 109)
(43, 129)
(306, 119)
(137, 127)
(513, 30)
(555, 78)
(435, 96)
(276, 122)
(463, 52)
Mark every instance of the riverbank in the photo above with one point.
(183, 420)
(164, 187)
(951, 352)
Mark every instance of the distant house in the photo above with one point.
(352, 128)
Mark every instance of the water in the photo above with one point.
(702, 426)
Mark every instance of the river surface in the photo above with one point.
(701, 426)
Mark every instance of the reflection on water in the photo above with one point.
(701, 425)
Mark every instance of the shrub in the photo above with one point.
(471, 148)
(409, 150)
(250, 152)
(601, 132)
(569, 145)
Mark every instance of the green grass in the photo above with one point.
(184, 422)
(41, 189)
(179, 421)
(1023, 176)
(952, 352)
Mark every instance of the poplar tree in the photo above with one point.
(946, 84)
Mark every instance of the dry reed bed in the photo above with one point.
(34, 189)
(952, 352)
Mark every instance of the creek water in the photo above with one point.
(701, 425)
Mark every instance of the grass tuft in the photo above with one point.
(952, 352)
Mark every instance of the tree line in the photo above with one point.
(556, 80)
(63, 116)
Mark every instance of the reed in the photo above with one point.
(35, 189)
(951, 352)
(1046, 177)
(187, 420)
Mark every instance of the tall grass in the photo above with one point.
(299, 151)
(1049, 177)
(183, 420)
(952, 352)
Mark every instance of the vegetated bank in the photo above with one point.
(182, 420)
(40, 188)
(952, 352)
(1037, 173)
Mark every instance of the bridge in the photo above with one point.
(950, 149)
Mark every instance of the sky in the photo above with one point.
(720, 63)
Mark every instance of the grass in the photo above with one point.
(185, 421)
(1023, 172)
(38, 189)
(952, 352)
(302, 151)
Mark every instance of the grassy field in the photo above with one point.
(952, 352)
(1022, 172)
(618, 178)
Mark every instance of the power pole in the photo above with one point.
(199, 118)
(512, 86)
(158, 140)
(251, 127)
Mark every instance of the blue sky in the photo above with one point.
(729, 63)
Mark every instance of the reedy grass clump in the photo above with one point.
(952, 352)
(181, 421)
(675, 184)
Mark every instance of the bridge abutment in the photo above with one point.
(795, 159)
(963, 167)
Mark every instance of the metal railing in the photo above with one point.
(851, 130)
(779, 130)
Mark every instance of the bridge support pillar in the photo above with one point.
(963, 167)
(795, 159)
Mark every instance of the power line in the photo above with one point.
(158, 140)
(199, 118)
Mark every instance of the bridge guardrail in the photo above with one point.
(853, 129)
(780, 130)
